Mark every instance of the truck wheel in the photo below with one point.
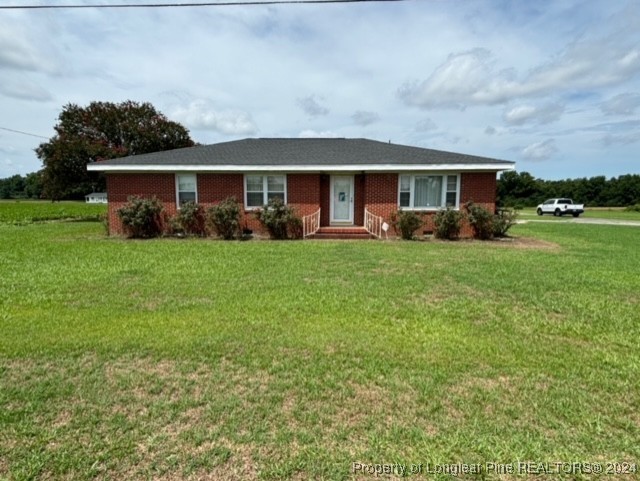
(557, 213)
(576, 214)
(539, 211)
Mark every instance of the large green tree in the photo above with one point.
(102, 130)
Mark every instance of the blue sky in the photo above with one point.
(551, 85)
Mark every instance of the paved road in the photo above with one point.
(582, 220)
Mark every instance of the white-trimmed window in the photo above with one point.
(259, 189)
(186, 188)
(428, 191)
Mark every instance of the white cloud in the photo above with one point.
(311, 105)
(621, 104)
(543, 114)
(201, 114)
(540, 150)
(312, 134)
(474, 77)
(365, 118)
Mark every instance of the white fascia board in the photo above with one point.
(302, 168)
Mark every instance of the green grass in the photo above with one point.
(171, 359)
(20, 212)
(618, 213)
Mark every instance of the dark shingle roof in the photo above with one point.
(300, 152)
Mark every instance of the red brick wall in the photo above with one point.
(305, 192)
(479, 187)
(381, 194)
(122, 186)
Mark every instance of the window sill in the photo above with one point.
(426, 209)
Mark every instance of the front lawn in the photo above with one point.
(202, 359)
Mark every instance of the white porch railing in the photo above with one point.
(310, 224)
(375, 224)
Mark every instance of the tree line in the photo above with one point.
(521, 189)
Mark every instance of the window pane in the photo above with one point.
(405, 183)
(405, 198)
(273, 195)
(254, 199)
(428, 191)
(452, 183)
(186, 197)
(275, 183)
(254, 183)
(451, 199)
(187, 183)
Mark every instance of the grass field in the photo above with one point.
(200, 359)
(20, 212)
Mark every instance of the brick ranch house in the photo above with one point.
(338, 183)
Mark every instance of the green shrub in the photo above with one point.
(407, 222)
(448, 223)
(481, 221)
(224, 218)
(279, 219)
(191, 219)
(503, 221)
(633, 208)
(295, 227)
(141, 217)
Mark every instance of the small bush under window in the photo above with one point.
(224, 218)
(407, 222)
(141, 217)
(448, 223)
(191, 218)
(280, 220)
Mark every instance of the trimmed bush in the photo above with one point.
(141, 217)
(632, 208)
(191, 219)
(481, 221)
(503, 221)
(407, 222)
(448, 223)
(279, 219)
(224, 218)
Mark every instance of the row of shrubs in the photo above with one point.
(448, 222)
(145, 218)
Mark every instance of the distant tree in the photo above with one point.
(102, 130)
(11, 187)
(33, 185)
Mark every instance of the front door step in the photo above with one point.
(335, 232)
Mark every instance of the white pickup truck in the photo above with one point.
(559, 207)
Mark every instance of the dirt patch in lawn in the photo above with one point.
(525, 243)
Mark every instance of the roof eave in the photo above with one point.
(133, 168)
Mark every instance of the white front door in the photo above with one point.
(342, 198)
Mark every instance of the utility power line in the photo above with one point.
(23, 133)
(192, 4)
